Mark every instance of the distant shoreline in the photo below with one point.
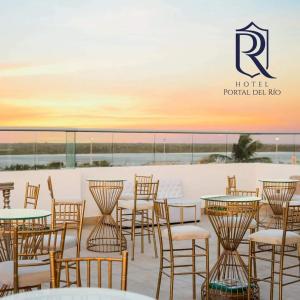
(102, 148)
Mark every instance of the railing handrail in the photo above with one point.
(153, 131)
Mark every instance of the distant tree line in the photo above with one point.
(85, 148)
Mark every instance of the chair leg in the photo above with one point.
(250, 259)
(142, 231)
(133, 234)
(159, 275)
(253, 260)
(194, 269)
(172, 280)
(281, 272)
(148, 227)
(132, 222)
(207, 268)
(272, 273)
(153, 234)
(120, 228)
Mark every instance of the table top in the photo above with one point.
(103, 179)
(279, 180)
(6, 185)
(183, 202)
(23, 214)
(230, 198)
(78, 294)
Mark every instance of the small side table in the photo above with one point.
(106, 236)
(182, 204)
(6, 187)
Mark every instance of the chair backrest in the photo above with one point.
(161, 210)
(143, 178)
(50, 187)
(231, 184)
(146, 190)
(35, 245)
(71, 214)
(297, 177)
(31, 195)
(291, 219)
(245, 193)
(90, 263)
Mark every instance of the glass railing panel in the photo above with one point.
(94, 149)
(70, 149)
(50, 150)
(210, 148)
(173, 148)
(133, 149)
(17, 150)
(275, 148)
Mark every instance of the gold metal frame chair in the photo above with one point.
(31, 249)
(231, 184)
(56, 269)
(71, 214)
(31, 195)
(141, 223)
(50, 187)
(169, 254)
(278, 238)
(127, 215)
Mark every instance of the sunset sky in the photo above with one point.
(143, 64)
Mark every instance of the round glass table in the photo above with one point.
(23, 218)
(230, 217)
(106, 236)
(78, 294)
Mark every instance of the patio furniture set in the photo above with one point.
(31, 250)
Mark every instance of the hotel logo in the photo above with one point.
(252, 51)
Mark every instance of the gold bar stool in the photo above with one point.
(278, 240)
(141, 223)
(106, 236)
(169, 254)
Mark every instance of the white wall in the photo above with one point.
(197, 179)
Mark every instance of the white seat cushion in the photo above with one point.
(70, 241)
(28, 276)
(140, 204)
(186, 232)
(274, 237)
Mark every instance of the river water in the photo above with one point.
(131, 159)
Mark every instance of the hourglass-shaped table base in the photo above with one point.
(106, 236)
(230, 217)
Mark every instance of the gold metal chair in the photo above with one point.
(71, 214)
(31, 195)
(50, 187)
(278, 240)
(127, 214)
(56, 264)
(169, 255)
(231, 184)
(31, 265)
(141, 223)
